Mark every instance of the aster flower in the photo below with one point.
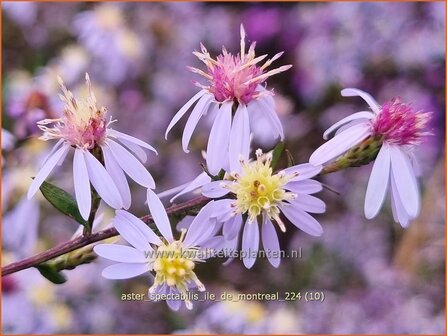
(235, 83)
(260, 195)
(84, 127)
(399, 128)
(172, 261)
(117, 49)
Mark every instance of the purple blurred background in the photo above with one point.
(376, 276)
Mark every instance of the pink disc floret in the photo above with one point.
(236, 77)
(229, 82)
(400, 124)
(83, 124)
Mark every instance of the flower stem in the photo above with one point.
(360, 155)
(96, 199)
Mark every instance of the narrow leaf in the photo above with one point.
(62, 201)
(276, 155)
(49, 272)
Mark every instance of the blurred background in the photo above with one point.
(376, 276)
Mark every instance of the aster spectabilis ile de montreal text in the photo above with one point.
(85, 127)
(261, 195)
(235, 82)
(172, 261)
(400, 129)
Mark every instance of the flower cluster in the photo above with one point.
(247, 198)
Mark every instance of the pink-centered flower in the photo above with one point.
(258, 197)
(235, 82)
(400, 128)
(84, 126)
(171, 261)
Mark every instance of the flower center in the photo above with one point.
(236, 77)
(174, 266)
(231, 79)
(83, 124)
(400, 124)
(258, 190)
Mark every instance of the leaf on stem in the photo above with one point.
(62, 201)
(276, 154)
(50, 273)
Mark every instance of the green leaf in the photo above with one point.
(62, 201)
(50, 273)
(276, 155)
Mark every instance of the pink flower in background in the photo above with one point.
(261, 195)
(235, 83)
(85, 127)
(400, 128)
(172, 261)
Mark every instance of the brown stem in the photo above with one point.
(92, 238)
(360, 155)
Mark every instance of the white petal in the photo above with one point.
(122, 136)
(174, 304)
(46, 170)
(124, 271)
(399, 213)
(366, 97)
(223, 209)
(230, 246)
(183, 110)
(139, 226)
(271, 115)
(359, 115)
(405, 179)
(340, 143)
(184, 223)
(349, 125)
(307, 186)
(232, 227)
(215, 189)
(117, 174)
(302, 220)
(159, 215)
(81, 184)
(131, 165)
(305, 171)
(309, 203)
(52, 151)
(219, 139)
(270, 242)
(102, 182)
(378, 183)
(250, 242)
(239, 138)
(199, 181)
(199, 110)
(415, 163)
(261, 108)
(135, 149)
(201, 226)
(120, 253)
(131, 233)
(212, 246)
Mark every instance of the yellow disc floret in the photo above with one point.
(174, 266)
(258, 190)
